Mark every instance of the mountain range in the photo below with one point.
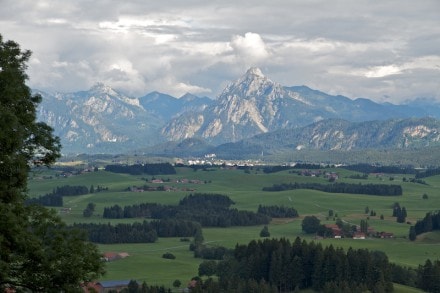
(250, 115)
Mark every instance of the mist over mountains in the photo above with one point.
(251, 114)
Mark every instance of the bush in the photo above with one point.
(168, 255)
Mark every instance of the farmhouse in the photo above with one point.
(359, 235)
(386, 235)
(112, 256)
(105, 286)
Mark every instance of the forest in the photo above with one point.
(277, 265)
(428, 173)
(139, 169)
(369, 189)
(210, 210)
(431, 222)
(367, 168)
(298, 265)
(55, 198)
(145, 232)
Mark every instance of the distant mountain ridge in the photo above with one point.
(168, 107)
(102, 120)
(341, 135)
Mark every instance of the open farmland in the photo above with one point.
(244, 187)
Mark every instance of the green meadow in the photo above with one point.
(145, 262)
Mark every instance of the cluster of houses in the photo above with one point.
(159, 188)
(167, 187)
(105, 286)
(332, 176)
(120, 285)
(181, 181)
(211, 160)
(338, 233)
(112, 256)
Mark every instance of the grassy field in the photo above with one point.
(145, 262)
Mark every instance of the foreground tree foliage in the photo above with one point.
(37, 251)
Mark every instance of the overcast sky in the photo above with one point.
(382, 50)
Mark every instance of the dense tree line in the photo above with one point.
(145, 232)
(68, 190)
(212, 200)
(211, 253)
(428, 276)
(143, 210)
(49, 199)
(274, 169)
(425, 277)
(55, 199)
(139, 169)
(223, 217)
(210, 210)
(367, 168)
(359, 176)
(370, 189)
(431, 222)
(281, 266)
(428, 173)
(278, 211)
(308, 166)
(292, 266)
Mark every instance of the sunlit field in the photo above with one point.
(145, 262)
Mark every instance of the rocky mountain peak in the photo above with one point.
(188, 97)
(255, 71)
(101, 88)
(252, 83)
(101, 91)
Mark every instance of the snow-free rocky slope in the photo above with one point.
(254, 105)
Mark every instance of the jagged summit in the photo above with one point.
(252, 83)
(100, 87)
(255, 71)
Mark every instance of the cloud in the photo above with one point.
(362, 48)
(250, 48)
(381, 71)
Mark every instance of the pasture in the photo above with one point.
(145, 262)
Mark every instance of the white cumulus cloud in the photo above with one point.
(250, 47)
